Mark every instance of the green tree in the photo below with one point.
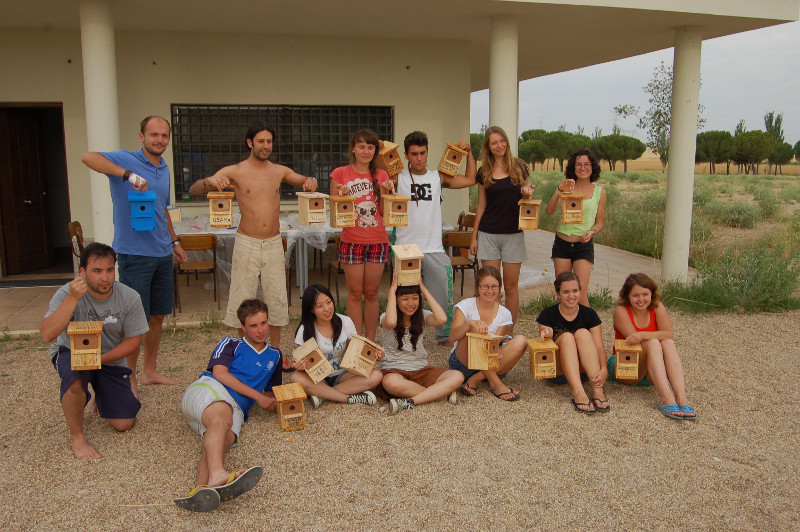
(560, 145)
(634, 148)
(655, 121)
(476, 141)
(615, 147)
(534, 151)
(714, 147)
(797, 150)
(752, 147)
(773, 124)
(782, 154)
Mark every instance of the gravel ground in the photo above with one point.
(482, 464)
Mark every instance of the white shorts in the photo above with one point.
(199, 395)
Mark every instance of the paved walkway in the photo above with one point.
(23, 308)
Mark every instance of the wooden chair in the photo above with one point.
(466, 220)
(335, 266)
(76, 240)
(200, 242)
(455, 242)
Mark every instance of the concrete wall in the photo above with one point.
(427, 83)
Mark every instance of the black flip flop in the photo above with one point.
(587, 412)
(510, 391)
(467, 390)
(200, 499)
(601, 408)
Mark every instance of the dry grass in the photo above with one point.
(480, 464)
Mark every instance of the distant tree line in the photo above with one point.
(747, 149)
(538, 146)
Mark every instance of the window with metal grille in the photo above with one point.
(312, 140)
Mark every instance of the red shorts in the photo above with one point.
(424, 377)
(350, 253)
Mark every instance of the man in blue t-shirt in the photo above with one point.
(144, 257)
(216, 406)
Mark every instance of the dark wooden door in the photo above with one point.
(26, 240)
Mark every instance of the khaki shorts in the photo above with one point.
(202, 393)
(254, 258)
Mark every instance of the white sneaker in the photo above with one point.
(316, 402)
(452, 398)
(396, 405)
(366, 398)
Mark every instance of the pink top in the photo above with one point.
(369, 227)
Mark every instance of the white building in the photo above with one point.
(79, 76)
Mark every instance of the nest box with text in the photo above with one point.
(85, 344)
(143, 210)
(312, 208)
(627, 366)
(291, 412)
(529, 213)
(482, 351)
(571, 208)
(451, 160)
(395, 210)
(408, 263)
(543, 358)
(361, 355)
(220, 209)
(343, 211)
(389, 158)
(317, 366)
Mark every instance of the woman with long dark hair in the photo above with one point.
(408, 380)
(331, 331)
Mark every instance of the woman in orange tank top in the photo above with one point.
(640, 318)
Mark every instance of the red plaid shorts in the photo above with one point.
(350, 253)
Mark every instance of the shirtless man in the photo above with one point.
(258, 249)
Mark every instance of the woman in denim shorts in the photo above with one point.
(497, 240)
(573, 248)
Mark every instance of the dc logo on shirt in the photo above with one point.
(421, 192)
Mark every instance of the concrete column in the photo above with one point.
(503, 77)
(682, 145)
(102, 111)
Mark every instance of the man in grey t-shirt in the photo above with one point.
(95, 296)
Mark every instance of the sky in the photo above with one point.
(743, 76)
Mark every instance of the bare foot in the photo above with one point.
(83, 451)
(93, 407)
(222, 478)
(157, 378)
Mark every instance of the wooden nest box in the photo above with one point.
(343, 211)
(389, 158)
(395, 210)
(317, 366)
(143, 210)
(571, 208)
(451, 159)
(361, 355)
(291, 412)
(220, 209)
(482, 351)
(529, 213)
(627, 366)
(543, 358)
(85, 344)
(408, 263)
(312, 208)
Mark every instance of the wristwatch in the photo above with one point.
(175, 243)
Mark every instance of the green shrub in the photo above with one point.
(651, 178)
(703, 194)
(610, 178)
(725, 189)
(631, 176)
(767, 202)
(791, 194)
(653, 200)
(752, 279)
(733, 214)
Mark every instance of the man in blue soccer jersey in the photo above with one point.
(216, 406)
